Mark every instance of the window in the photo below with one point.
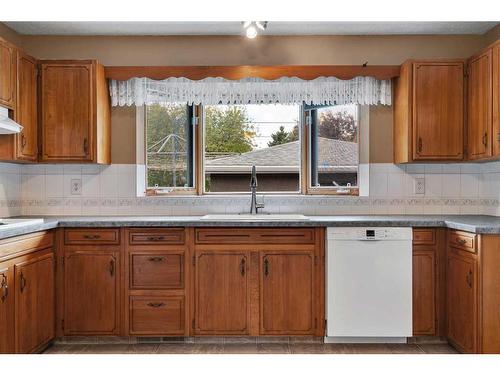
(333, 148)
(240, 136)
(169, 146)
(297, 149)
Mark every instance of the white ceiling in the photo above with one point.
(235, 28)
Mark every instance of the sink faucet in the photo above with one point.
(254, 206)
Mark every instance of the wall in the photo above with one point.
(10, 190)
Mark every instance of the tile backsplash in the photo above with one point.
(111, 190)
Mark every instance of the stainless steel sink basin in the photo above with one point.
(255, 217)
(14, 223)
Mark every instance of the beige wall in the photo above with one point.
(235, 50)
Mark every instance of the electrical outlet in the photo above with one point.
(76, 186)
(419, 185)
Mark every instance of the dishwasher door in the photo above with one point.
(369, 284)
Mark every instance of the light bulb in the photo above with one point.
(251, 32)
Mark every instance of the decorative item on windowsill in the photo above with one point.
(251, 28)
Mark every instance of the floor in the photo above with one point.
(248, 348)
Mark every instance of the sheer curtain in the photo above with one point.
(286, 90)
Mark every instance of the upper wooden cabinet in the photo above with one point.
(429, 111)
(496, 99)
(75, 113)
(7, 74)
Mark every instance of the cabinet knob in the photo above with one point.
(461, 241)
(23, 140)
(91, 236)
(242, 266)
(112, 267)
(156, 238)
(22, 282)
(266, 267)
(420, 144)
(86, 146)
(5, 288)
(156, 304)
(468, 279)
(485, 139)
(156, 259)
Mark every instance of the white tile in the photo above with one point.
(378, 184)
(451, 168)
(54, 186)
(72, 169)
(433, 185)
(415, 168)
(470, 168)
(91, 169)
(108, 185)
(450, 185)
(67, 185)
(33, 186)
(54, 169)
(396, 185)
(90, 185)
(126, 185)
(433, 168)
(33, 169)
(469, 185)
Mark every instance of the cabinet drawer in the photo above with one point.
(157, 270)
(424, 236)
(158, 316)
(247, 235)
(91, 236)
(462, 240)
(171, 236)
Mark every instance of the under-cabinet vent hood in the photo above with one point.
(7, 125)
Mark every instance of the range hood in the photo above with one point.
(7, 125)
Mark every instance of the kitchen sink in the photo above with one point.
(255, 217)
(14, 223)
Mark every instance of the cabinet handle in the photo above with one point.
(266, 267)
(5, 288)
(242, 266)
(85, 146)
(112, 267)
(156, 259)
(23, 141)
(156, 238)
(420, 144)
(22, 282)
(156, 304)
(91, 236)
(468, 279)
(461, 241)
(485, 139)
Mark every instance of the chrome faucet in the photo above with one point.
(254, 206)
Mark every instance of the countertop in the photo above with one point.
(471, 223)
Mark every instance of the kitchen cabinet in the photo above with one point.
(91, 290)
(6, 309)
(221, 292)
(34, 302)
(496, 99)
(7, 74)
(429, 111)
(75, 112)
(287, 292)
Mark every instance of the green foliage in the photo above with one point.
(166, 119)
(227, 130)
(281, 136)
(337, 125)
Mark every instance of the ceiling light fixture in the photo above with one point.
(252, 27)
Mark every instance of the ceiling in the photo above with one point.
(235, 28)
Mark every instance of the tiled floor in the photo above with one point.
(249, 348)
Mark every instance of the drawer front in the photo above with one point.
(157, 270)
(170, 236)
(91, 236)
(424, 236)
(462, 240)
(246, 235)
(158, 316)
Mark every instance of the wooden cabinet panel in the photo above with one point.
(480, 106)
(221, 292)
(255, 236)
(462, 240)
(462, 300)
(438, 113)
(34, 303)
(6, 309)
(7, 74)
(158, 316)
(26, 108)
(424, 292)
(287, 290)
(91, 291)
(156, 236)
(157, 270)
(424, 236)
(91, 236)
(496, 99)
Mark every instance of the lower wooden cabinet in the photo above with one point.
(424, 293)
(6, 309)
(221, 292)
(157, 315)
(287, 293)
(91, 291)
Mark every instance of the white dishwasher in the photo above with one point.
(369, 284)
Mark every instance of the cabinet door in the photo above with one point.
(91, 292)
(424, 292)
(221, 292)
(7, 74)
(438, 111)
(26, 112)
(67, 112)
(287, 290)
(6, 310)
(462, 301)
(45, 299)
(496, 99)
(480, 106)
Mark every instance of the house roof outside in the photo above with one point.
(334, 156)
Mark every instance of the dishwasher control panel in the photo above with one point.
(367, 234)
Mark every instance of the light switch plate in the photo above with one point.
(419, 185)
(76, 186)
